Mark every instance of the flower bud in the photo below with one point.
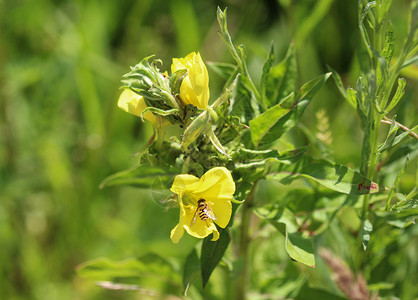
(133, 103)
(193, 131)
(194, 88)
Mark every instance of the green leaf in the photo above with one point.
(406, 205)
(298, 247)
(192, 132)
(397, 181)
(365, 232)
(214, 140)
(232, 127)
(352, 97)
(105, 269)
(238, 52)
(273, 123)
(282, 79)
(338, 81)
(141, 176)
(176, 79)
(410, 61)
(392, 140)
(268, 64)
(396, 159)
(333, 176)
(225, 95)
(212, 253)
(241, 102)
(387, 51)
(400, 91)
(191, 270)
(389, 137)
(160, 112)
(222, 20)
(143, 268)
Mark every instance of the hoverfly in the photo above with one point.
(204, 212)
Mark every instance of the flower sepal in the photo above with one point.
(146, 80)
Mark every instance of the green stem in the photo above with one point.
(371, 166)
(244, 243)
(160, 128)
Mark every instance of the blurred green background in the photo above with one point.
(61, 133)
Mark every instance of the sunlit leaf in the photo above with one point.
(387, 52)
(141, 176)
(270, 125)
(365, 233)
(268, 64)
(400, 91)
(338, 82)
(333, 176)
(281, 80)
(298, 247)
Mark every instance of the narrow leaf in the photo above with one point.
(192, 132)
(191, 270)
(387, 51)
(176, 79)
(400, 91)
(365, 232)
(300, 249)
(389, 137)
(269, 126)
(333, 176)
(160, 112)
(338, 82)
(351, 97)
(148, 265)
(141, 176)
(268, 64)
(212, 253)
(214, 139)
(283, 219)
(396, 182)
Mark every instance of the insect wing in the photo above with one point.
(194, 217)
(209, 212)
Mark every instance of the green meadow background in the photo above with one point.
(61, 132)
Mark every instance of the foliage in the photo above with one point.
(63, 135)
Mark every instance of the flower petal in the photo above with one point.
(215, 236)
(195, 86)
(217, 183)
(184, 183)
(133, 103)
(222, 210)
(178, 231)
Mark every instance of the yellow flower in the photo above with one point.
(133, 103)
(195, 86)
(202, 202)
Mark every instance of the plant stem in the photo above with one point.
(371, 166)
(244, 244)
